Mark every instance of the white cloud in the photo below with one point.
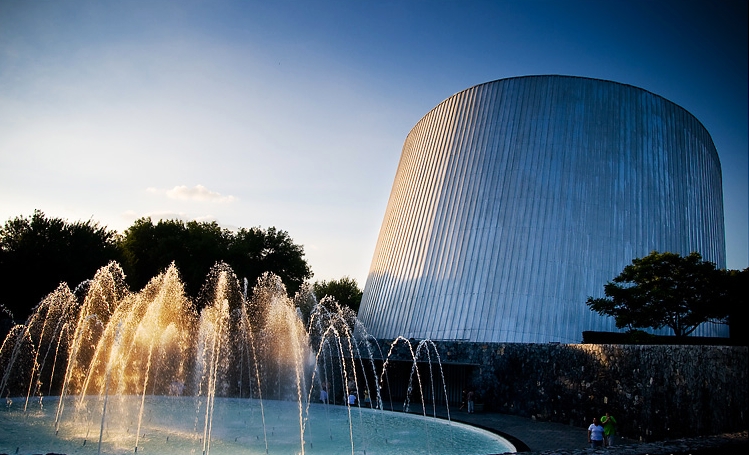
(196, 193)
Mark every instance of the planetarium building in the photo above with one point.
(517, 199)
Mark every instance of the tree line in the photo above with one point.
(37, 253)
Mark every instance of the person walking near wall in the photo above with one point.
(470, 401)
(323, 395)
(595, 434)
(367, 400)
(609, 428)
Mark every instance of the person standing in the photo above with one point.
(595, 434)
(323, 395)
(609, 428)
(469, 397)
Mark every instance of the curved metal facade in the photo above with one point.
(515, 200)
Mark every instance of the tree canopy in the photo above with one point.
(669, 290)
(38, 253)
(195, 247)
(345, 291)
(149, 248)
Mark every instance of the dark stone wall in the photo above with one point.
(655, 392)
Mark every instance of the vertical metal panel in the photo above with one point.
(517, 199)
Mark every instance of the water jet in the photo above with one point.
(189, 381)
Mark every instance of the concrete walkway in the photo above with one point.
(529, 435)
(526, 434)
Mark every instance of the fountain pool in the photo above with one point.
(104, 370)
(173, 426)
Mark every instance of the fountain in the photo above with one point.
(103, 370)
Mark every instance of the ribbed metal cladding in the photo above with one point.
(515, 200)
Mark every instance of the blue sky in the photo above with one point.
(293, 113)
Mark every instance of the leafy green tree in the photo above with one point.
(254, 251)
(665, 290)
(38, 253)
(148, 249)
(195, 247)
(345, 291)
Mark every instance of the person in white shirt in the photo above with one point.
(595, 434)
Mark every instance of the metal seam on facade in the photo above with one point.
(516, 199)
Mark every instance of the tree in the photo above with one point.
(148, 249)
(38, 253)
(665, 290)
(345, 291)
(196, 247)
(254, 251)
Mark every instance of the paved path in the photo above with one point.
(526, 434)
(544, 438)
